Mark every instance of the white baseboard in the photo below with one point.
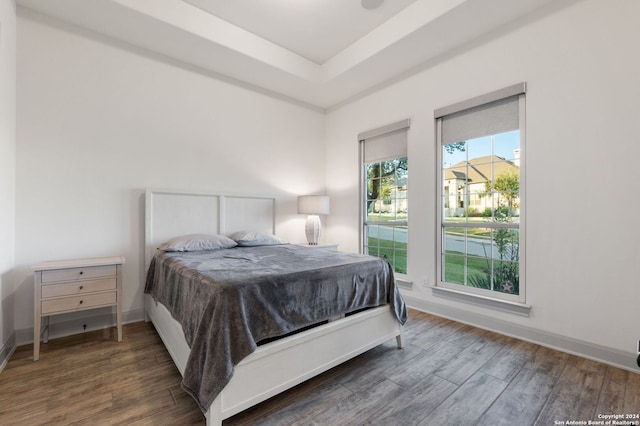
(77, 325)
(6, 350)
(614, 357)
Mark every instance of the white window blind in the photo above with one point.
(484, 120)
(385, 142)
(490, 114)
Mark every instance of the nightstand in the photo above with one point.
(333, 247)
(75, 285)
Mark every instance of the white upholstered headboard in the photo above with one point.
(170, 213)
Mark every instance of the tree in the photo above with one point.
(508, 186)
(457, 146)
(381, 176)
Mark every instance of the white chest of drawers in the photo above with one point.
(75, 285)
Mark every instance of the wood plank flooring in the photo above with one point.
(447, 374)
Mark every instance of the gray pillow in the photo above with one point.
(251, 239)
(197, 242)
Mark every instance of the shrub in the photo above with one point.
(472, 212)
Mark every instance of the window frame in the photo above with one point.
(403, 125)
(394, 224)
(509, 302)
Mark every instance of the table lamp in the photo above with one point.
(313, 205)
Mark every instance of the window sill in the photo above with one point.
(404, 282)
(487, 302)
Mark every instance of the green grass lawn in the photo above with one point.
(476, 272)
(454, 267)
(454, 261)
(397, 256)
(476, 232)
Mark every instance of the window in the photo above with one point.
(481, 195)
(384, 196)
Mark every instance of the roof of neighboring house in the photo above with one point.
(478, 170)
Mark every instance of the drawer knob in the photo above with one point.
(81, 272)
(81, 287)
(81, 302)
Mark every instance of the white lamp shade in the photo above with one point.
(313, 204)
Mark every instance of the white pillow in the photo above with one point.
(197, 242)
(251, 239)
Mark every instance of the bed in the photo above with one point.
(279, 364)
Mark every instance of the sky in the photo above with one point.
(503, 146)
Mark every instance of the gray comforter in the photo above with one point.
(230, 300)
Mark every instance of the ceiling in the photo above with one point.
(314, 29)
(317, 52)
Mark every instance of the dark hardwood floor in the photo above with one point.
(447, 374)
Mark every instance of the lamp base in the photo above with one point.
(312, 229)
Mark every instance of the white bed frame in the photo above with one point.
(273, 367)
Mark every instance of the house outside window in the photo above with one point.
(384, 193)
(481, 195)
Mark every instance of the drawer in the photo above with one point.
(77, 288)
(78, 303)
(75, 274)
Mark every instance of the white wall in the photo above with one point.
(582, 68)
(7, 171)
(99, 122)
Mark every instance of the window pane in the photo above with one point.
(454, 240)
(385, 236)
(387, 190)
(372, 170)
(506, 277)
(454, 261)
(478, 242)
(372, 235)
(455, 175)
(390, 243)
(401, 209)
(453, 268)
(506, 244)
(454, 153)
(373, 211)
(479, 149)
(373, 189)
(400, 249)
(482, 207)
(479, 272)
(455, 190)
(507, 146)
(506, 185)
